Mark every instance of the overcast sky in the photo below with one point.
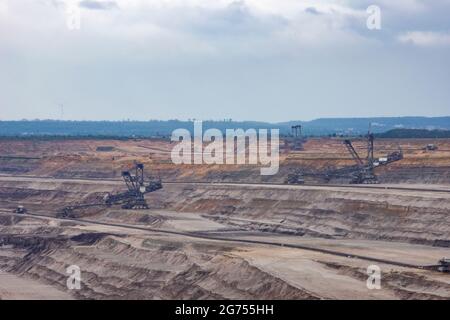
(271, 60)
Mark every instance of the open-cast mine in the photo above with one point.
(139, 227)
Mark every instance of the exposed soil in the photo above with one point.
(175, 260)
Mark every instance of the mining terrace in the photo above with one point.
(222, 231)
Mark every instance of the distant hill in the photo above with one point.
(152, 128)
(358, 126)
(415, 133)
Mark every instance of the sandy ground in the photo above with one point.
(302, 270)
(305, 270)
(127, 263)
(378, 188)
(13, 287)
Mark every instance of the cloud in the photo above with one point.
(222, 28)
(312, 10)
(425, 38)
(3, 7)
(98, 5)
(219, 58)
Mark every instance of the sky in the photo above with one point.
(264, 60)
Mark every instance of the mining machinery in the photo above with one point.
(430, 147)
(20, 210)
(296, 131)
(360, 173)
(364, 174)
(297, 177)
(295, 140)
(395, 156)
(444, 265)
(132, 198)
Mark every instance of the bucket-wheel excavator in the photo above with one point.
(364, 173)
(133, 198)
(361, 173)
